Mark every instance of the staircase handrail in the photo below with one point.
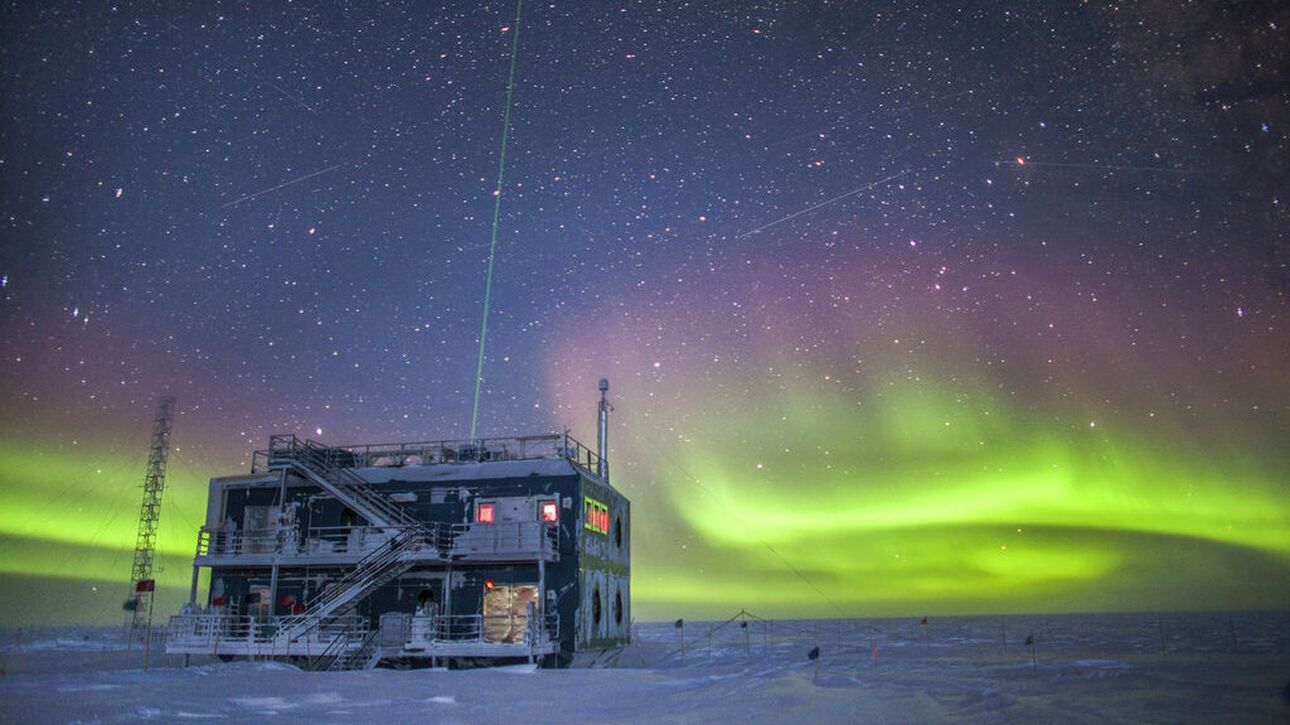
(346, 660)
(319, 461)
(332, 649)
(357, 582)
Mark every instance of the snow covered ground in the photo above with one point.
(1127, 668)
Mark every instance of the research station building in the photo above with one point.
(456, 553)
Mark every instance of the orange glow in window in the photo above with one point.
(550, 513)
(485, 515)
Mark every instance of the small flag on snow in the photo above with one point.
(814, 654)
(924, 621)
(145, 585)
(679, 623)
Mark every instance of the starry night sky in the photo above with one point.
(907, 309)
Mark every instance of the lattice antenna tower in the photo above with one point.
(142, 584)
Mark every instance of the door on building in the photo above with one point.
(506, 611)
(425, 625)
(258, 604)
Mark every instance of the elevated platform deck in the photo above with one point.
(471, 635)
(520, 541)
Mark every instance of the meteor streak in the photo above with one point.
(293, 97)
(284, 184)
(1023, 161)
(826, 202)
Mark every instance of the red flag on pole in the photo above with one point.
(145, 585)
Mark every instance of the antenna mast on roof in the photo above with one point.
(142, 585)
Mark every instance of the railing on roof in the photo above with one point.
(426, 453)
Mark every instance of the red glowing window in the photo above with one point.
(550, 514)
(485, 513)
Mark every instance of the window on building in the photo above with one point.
(595, 516)
(550, 512)
(618, 608)
(485, 513)
(595, 605)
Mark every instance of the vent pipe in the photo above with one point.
(602, 438)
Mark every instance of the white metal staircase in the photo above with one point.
(322, 465)
(413, 541)
(364, 657)
(372, 571)
(377, 568)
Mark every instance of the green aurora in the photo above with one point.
(919, 499)
(918, 483)
(69, 526)
(904, 313)
(961, 507)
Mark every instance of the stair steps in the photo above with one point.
(414, 541)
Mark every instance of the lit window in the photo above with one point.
(485, 513)
(550, 514)
(596, 516)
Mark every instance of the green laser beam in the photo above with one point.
(497, 210)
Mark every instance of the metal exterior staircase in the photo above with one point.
(324, 466)
(413, 541)
(377, 568)
(365, 657)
